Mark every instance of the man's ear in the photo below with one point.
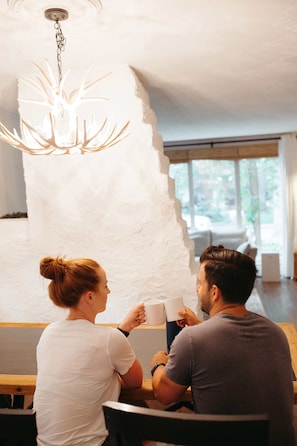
(215, 293)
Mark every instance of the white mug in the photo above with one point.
(172, 307)
(154, 312)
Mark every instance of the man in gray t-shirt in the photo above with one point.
(236, 362)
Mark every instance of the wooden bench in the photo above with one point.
(18, 357)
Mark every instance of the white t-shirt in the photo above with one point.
(77, 366)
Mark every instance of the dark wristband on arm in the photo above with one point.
(125, 333)
(156, 366)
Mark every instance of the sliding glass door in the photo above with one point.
(232, 194)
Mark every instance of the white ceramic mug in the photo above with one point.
(154, 312)
(172, 307)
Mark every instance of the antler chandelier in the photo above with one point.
(62, 131)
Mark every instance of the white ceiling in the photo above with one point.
(212, 68)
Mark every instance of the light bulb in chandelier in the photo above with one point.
(62, 131)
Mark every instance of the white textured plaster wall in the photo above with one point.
(117, 206)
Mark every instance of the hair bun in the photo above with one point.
(52, 268)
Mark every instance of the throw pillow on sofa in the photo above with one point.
(244, 248)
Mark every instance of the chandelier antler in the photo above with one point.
(62, 131)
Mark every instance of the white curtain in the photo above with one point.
(288, 187)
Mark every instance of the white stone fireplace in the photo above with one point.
(117, 206)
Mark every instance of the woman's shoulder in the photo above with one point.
(83, 324)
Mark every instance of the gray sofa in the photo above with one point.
(232, 239)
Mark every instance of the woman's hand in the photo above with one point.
(134, 318)
(189, 318)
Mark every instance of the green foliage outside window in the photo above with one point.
(215, 183)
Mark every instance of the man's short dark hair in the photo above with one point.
(232, 272)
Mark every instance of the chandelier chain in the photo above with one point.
(61, 42)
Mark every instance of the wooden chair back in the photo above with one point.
(17, 427)
(130, 425)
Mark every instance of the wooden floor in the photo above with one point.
(279, 299)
